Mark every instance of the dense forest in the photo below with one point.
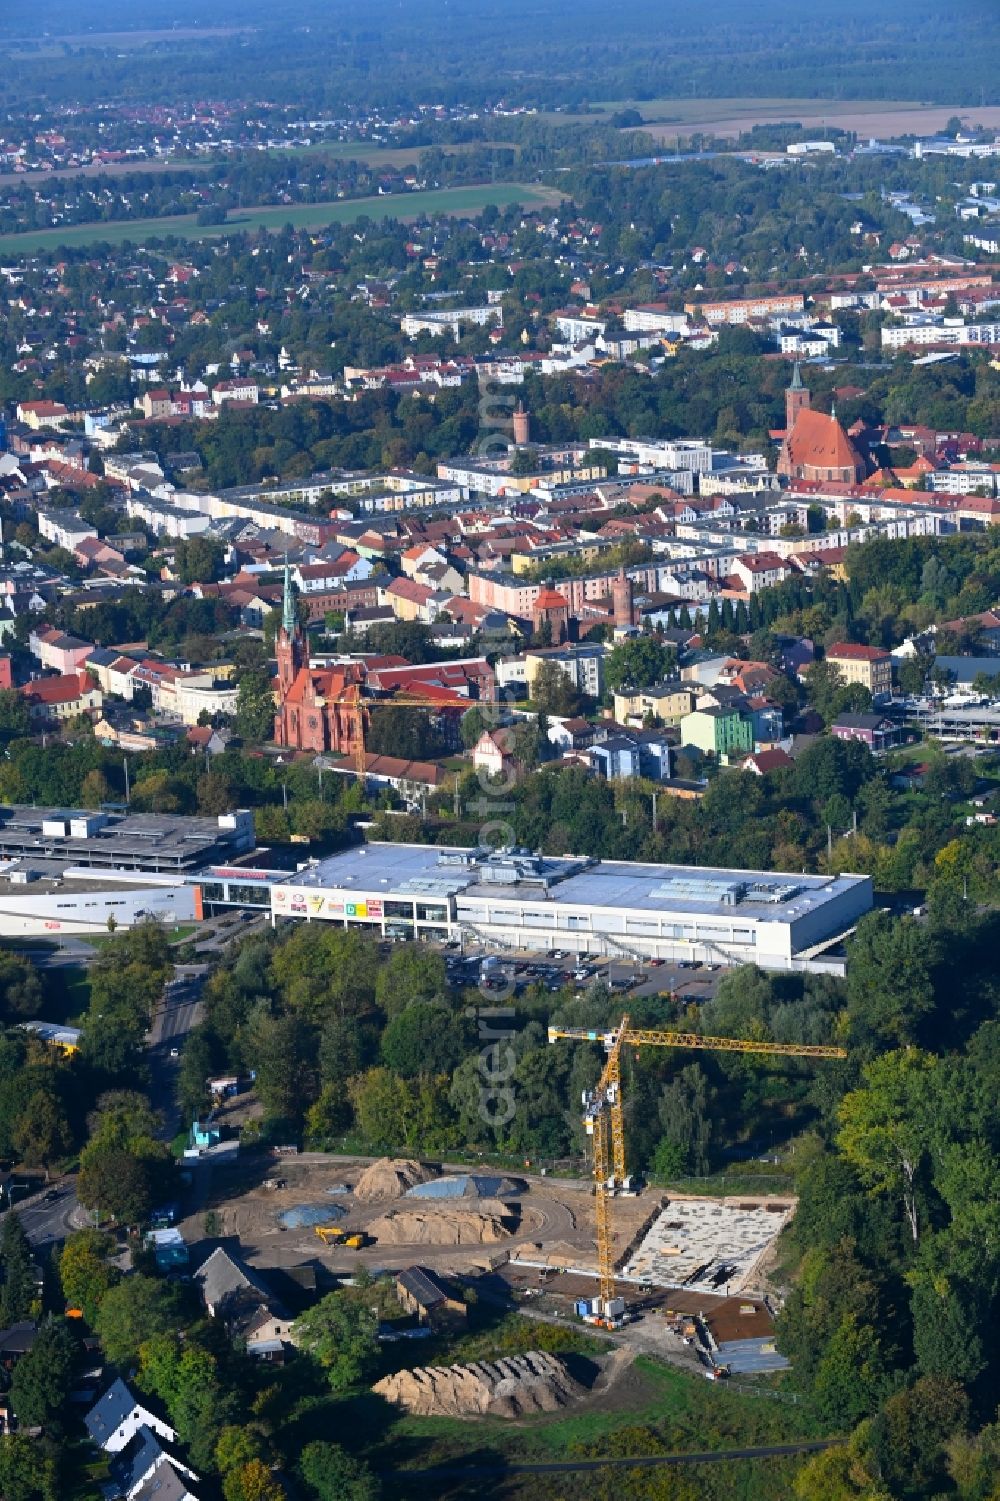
(466, 52)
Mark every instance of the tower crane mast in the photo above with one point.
(604, 1122)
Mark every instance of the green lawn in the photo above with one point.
(179, 934)
(69, 995)
(469, 200)
(922, 750)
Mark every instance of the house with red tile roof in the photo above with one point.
(760, 570)
(493, 752)
(983, 510)
(761, 762)
(821, 557)
(868, 665)
(58, 651)
(410, 600)
(313, 577)
(37, 414)
(470, 678)
(93, 553)
(61, 697)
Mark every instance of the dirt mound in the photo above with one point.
(508, 1388)
(481, 1226)
(389, 1178)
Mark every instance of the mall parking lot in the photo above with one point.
(686, 981)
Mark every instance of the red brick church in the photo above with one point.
(815, 446)
(317, 708)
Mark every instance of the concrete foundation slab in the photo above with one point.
(708, 1245)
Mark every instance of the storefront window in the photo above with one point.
(252, 894)
(431, 912)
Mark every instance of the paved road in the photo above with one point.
(639, 1462)
(71, 952)
(47, 1220)
(179, 1011)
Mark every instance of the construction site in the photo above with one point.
(527, 1241)
(686, 1278)
(681, 1276)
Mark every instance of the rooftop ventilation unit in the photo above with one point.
(515, 868)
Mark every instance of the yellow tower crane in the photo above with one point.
(359, 710)
(603, 1116)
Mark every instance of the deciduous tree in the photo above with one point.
(341, 1337)
(886, 1127)
(131, 1313)
(334, 1475)
(85, 1273)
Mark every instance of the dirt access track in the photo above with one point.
(551, 1221)
(671, 120)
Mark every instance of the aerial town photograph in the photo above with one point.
(500, 751)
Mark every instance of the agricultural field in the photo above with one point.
(672, 119)
(464, 200)
(344, 151)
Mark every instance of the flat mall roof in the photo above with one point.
(415, 870)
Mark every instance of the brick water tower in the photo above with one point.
(622, 601)
(522, 426)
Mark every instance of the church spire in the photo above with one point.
(796, 397)
(289, 619)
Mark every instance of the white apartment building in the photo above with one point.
(577, 328)
(945, 331)
(450, 320)
(166, 520)
(64, 529)
(654, 318)
(238, 389)
(682, 453)
(760, 570)
(964, 480)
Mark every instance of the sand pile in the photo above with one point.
(483, 1225)
(389, 1178)
(508, 1388)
